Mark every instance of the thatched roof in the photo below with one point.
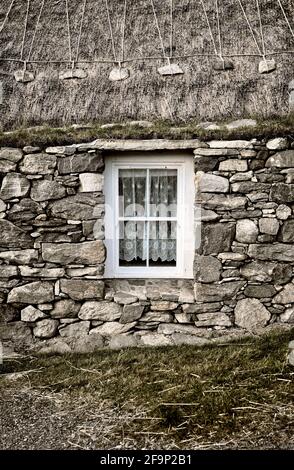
(200, 93)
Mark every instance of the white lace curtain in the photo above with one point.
(157, 200)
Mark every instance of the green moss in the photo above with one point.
(46, 136)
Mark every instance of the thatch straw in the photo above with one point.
(200, 93)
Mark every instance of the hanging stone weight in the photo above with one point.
(73, 73)
(222, 64)
(118, 74)
(267, 66)
(170, 69)
(23, 76)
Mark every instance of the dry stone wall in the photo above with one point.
(53, 295)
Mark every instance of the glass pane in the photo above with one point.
(163, 193)
(132, 243)
(132, 193)
(163, 243)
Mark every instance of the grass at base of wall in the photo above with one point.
(238, 395)
(45, 136)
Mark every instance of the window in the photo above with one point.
(149, 216)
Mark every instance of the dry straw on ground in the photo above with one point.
(200, 92)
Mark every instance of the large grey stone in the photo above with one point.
(172, 328)
(49, 273)
(211, 183)
(207, 268)
(216, 238)
(156, 339)
(80, 163)
(32, 293)
(80, 289)
(79, 207)
(280, 143)
(76, 330)
(44, 190)
(269, 225)
(215, 152)
(14, 185)
(132, 313)
(123, 341)
(283, 212)
(10, 154)
(287, 232)
(112, 328)
(24, 210)
(20, 256)
(104, 311)
(161, 305)
(12, 236)
(8, 271)
(38, 164)
(202, 308)
(260, 292)
(251, 314)
(282, 193)
(32, 314)
(6, 166)
(181, 339)
(246, 231)
(241, 123)
(249, 186)
(46, 328)
(66, 308)
(213, 319)
(265, 272)
(233, 165)
(271, 252)
(218, 292)
(221, 201)
(157, 317)
(287, 316)
(91, 182)
(281, 160)
(286, 296)
(230, 144)
(124, 298)
(89, 253)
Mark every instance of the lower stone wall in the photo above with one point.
(53, 294)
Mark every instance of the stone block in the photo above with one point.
(38, 164)
(207, 268)
(88, 253)
(217, 292)
(80, 163)
(251, 314)
(14, 185)
(82, 289)
(246, 231)
(91, 182)
(104, 311)
(32, 293)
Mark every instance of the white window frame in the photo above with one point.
(185, 218)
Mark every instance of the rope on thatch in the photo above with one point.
(7, 15)
(250, 27)
(171, 28)
(111, 31)
(209, 27)
(123, 32)
(286, 17)
(159, 31)
(68, 32)
(261, 30)
(25, 30)
(81, 30)
(35, 32)
(219, 30)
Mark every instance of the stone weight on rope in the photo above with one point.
(170, 69)
(118, 74)
(73, 73)
(267, 66)
(23, 76)
(222, 64)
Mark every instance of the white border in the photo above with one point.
(186, 200)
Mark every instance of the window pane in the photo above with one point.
(132, 243)
(163, 244)
(163, 193)
(132, 193)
